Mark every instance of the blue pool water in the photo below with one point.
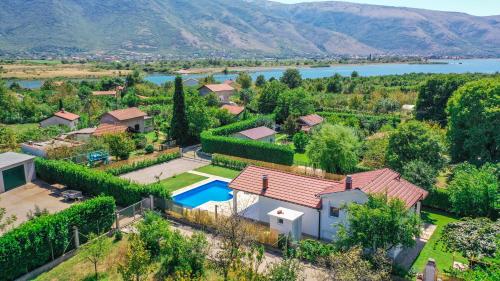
(212, 191)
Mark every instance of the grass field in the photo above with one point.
(180, 181)
(20, 129)
(45, 70)
(219, 171)
(434, 249)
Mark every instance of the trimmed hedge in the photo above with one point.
(143, 164)
(36, 242)
(372, 123)
(219, 141)
(438, 198)
(94, 182)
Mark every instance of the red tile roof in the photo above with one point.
(108, 129)
(127, 113)
(258, 133)
(233, 109)
(303, 190)
(297, 189)
(311, 120)
(66, 115)
(218, 87)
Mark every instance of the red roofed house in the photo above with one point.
(306, 123)
(61, 117)
(132, 118)
(109, 129)
(321, 202)
(233, 109)
(262, 133)
(223, 91)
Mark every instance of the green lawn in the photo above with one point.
(300, 159)
(219, 171)
(19, 129)
(433, 249)
(181, 180)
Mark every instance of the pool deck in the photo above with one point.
(223, 207)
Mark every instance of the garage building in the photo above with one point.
(16, 169)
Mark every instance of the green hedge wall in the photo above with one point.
(143, 164)
(94, 182)
(35, 242)
(438, 198)
(372, 123)
(219, 141)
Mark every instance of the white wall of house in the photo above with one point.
(309, 219)
(55, 120)
(329, 224)
(223, 95)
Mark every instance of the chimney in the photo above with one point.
(348, 182)
(265, 183)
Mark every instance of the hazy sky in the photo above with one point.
(474, 7)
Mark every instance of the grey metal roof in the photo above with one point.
(11, 158)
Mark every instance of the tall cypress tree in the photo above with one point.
(179, 125)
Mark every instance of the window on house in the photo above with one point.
(280, 221)
(334, 212)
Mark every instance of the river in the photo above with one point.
(446, 66)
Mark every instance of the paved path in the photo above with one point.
(163, 171)
(408, 256)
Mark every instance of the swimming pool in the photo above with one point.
(213, 191)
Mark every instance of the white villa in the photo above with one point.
(297, 204)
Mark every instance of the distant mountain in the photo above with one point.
(239, 28)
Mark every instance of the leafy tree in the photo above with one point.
(296, 102)
(473, 238)
(387, 105)
(290, 126)
(137, 260)
(8, 139)
(152, 231)
(420, 173)
(334, 86)
(130, 99)
(473, 122)
(247, 96)
(179, 125)
(433, 96)
(133, 79)
(260, 81)
(269, 96)
(334, 149)
(300, 141)
(352, 266)
(95, 250)
(354, 74)
(292, 78)
(245, 80)
(381, 223)
(212, 99)
(475, 191)
(286, 270)
(374, 150)
(5, 221)
(415, 140)
(199, 116)
(120, 145)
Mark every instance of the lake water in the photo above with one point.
(451, 66)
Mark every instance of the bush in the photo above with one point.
(219, 141)
(93, 182)
(438, 198)
(300, 141)
(149, 149)
(143, 164)
(38, 241)
(219, 160)
(311, 250)
(372, 123)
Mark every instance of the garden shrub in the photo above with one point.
(372, 123)
(149, 149)
(94, 182)
(438, 198)
(143, 164)
(311, 250)
(219, 141)
(40, 240)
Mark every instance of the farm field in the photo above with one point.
(54, 70)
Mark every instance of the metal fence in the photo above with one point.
(132, 213)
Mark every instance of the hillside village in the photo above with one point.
(279, 179)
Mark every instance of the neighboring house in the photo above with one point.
(231, 83)
(234, 109)
(104, 93)
(80, 135)
(132, 118)
(223, 91)
(109, 129)
(262, 133)
(16, 169)
(322, 202)
(308, 122)
(42, 149)
(61, 117)
(191, 82)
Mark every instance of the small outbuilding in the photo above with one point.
(61, 117)
(287, 222)
(261, 133)
(16, 169)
